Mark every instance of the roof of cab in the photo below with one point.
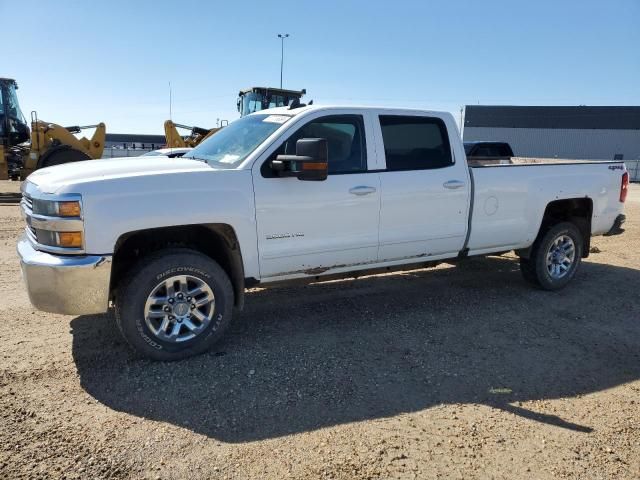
(307, 108)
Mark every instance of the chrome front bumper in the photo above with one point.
(68, 284)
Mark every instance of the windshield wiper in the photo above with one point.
(195, 158)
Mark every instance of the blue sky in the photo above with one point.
(80, 62)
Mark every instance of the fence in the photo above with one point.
(633, 167)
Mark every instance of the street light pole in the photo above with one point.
(282, 36)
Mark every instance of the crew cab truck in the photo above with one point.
(307, 193)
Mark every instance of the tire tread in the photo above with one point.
(129, 288)
(534, 268)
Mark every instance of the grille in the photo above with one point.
(31, 232)
(27, 201)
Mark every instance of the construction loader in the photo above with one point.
(50, 144)
(173, 138)
(254, 99)
(250, 100)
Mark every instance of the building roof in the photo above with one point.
(134, 138)
(581, 117)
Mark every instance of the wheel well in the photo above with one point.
(575, 210)
(217, 241)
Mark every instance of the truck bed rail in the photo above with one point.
(529, 161)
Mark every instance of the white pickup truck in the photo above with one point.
(306, 193)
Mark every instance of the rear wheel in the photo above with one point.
(555, 257)
(174, 304)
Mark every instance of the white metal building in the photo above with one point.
(131, 144)
(134, 140)
(582, 132)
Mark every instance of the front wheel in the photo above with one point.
(555, 257)
(174, 304)
(61, 154)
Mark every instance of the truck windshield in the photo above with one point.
(228, 147)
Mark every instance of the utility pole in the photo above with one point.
(282, 36)
(461, 124)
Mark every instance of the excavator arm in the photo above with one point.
(94, 147)
(175, 140)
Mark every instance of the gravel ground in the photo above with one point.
(454, 372)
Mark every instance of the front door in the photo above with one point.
(313, 227)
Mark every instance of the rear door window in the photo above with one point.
(415, 143)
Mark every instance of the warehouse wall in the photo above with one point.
(562, 143)
(117, 152)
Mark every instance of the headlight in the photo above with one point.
(55, 224)
(56, 209)
(59, 239)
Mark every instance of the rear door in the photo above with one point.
(313, 227)
(425, 188)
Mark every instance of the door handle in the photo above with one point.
(361, 190)
(453, 184)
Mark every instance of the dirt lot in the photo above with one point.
(453, 372)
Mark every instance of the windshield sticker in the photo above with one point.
(276, 119)
(229, 158)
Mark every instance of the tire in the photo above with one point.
(143, 304)
(555, 257)
(60, 155)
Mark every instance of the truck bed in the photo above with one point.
(508, 203)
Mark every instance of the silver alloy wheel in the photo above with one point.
(561, 256)
(179, 308)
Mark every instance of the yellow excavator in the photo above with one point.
(173, 138)
(250, 100)
(50, 144)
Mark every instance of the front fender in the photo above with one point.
(114, 207)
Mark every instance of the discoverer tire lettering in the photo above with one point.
(141, 280)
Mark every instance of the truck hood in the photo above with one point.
(51, 179)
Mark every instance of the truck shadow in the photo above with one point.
(307, 357)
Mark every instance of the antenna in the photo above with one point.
(170, 117)
(170, 113)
